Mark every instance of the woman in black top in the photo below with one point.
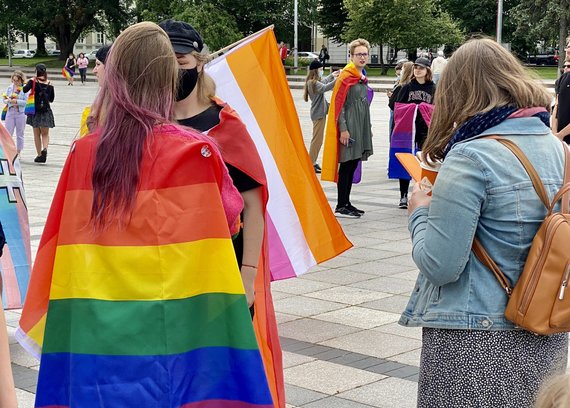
(420, 89)
(70, 64)
(42, 120)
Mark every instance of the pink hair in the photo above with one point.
(128, 107)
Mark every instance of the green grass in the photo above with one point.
(50, 62)
(545, 72)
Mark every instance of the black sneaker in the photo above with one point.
(354, 209)
(38, 159)
(345, 212)
(403, 203)
(317, 168)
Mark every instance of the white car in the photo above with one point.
(91, 55)
(23, 54)
(308, 55)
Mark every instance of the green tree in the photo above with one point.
(403, 24)
(67, 20)
(333, 18)
(542, 21)
(216, 26)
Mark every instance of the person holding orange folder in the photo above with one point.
(472, 355)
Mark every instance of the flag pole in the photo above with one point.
(217, 53)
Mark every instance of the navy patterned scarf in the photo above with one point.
(483, 121)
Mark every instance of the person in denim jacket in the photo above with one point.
(471, 355)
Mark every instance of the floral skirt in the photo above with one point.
(487, 369)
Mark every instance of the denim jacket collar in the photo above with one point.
(518, 126)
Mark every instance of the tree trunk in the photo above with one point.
(383, 69)
(41, 38)
(562, 34)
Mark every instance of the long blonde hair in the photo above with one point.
(311, 80)
(206, 87)
(481, 75)
(407, 73)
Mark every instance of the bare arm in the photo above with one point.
(253, 227)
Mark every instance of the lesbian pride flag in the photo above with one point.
(302, 230)
(152, 314)
(16, 260)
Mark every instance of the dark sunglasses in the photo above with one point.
(566, 66)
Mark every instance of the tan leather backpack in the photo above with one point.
(540, 300)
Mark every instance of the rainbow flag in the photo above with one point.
(30, 108)
(302, 229)
(150, 315)
(67, 73)
(16, 260)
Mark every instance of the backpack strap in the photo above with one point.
(534, 177)
(565, 208)
(486, 260)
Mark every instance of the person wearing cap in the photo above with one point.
(438, 65)
(99, 71)
(315, 88)
(198, 107)
(420, 89)
(42, 121)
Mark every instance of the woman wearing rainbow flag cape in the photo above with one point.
(197, 107)
(136, 298)
(348, 138)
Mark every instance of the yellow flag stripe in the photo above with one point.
(162, 272)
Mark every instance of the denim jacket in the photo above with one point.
(22, 99)
(482, 190)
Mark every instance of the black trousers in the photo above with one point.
(344, 185)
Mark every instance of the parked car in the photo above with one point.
(54, 52)
(23, 54)
(543, 59)
(91, 55)
(308, 55)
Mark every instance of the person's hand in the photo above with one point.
(418, 199)
(336, 74)
(248, 278)
(14, 102)
(344, 136)
(389, 93)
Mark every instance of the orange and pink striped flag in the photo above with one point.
(302, 228)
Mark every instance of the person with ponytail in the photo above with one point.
(136, 298)
(315, 88)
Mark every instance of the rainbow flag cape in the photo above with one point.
(16, 260)
(150, 315)
(402, 139)
(67, 73)
(348, 77)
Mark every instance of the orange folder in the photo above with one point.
(420, 172)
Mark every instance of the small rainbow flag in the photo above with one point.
(30, 108)
(67, 73)
(150, 315)
(16, 260)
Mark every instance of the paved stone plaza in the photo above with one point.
(342, 345)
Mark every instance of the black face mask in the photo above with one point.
(186, 83)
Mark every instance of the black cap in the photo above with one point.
(41, 69)
(183, 36)
(102, 53)
(315, 64)
(422, 61)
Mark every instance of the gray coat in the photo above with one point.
(319, 104)
(355, 117)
